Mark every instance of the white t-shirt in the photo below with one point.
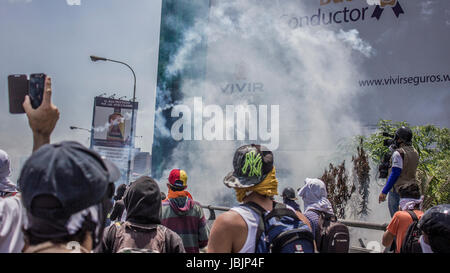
(397, 160)
(12, 218)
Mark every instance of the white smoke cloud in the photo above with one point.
(19, 1)
(73, 2)
(309, 72)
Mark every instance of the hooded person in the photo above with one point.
(315, 198)
(142, 231)
(183, 215)
(12, 219)
(7, 187)
(435, 226)
(119, 206)
(66, 190)
(254, 182)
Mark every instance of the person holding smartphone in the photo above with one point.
(42, 120)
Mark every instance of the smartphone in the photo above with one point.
(17, 89)
(36, 89)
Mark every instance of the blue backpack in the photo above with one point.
(280, 231)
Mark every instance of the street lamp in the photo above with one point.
(79, 128)
(95, 59)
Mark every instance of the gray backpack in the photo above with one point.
(331, 236)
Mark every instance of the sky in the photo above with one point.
(57, 37)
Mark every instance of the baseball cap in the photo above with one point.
(73, 175)
(251, 164)
(289, 193)
(178, 178)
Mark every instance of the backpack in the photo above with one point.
(280, 231)
(411, 242)
(331, 235)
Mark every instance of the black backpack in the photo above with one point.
(281, 231)
(331, 235)
(411, 242)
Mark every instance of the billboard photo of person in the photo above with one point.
(116, 129)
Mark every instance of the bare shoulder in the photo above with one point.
(228, 233)
(230, 219)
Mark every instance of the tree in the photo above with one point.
(339, 193)
(361, 175)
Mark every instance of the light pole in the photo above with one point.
(79, 128)
(82, 129)
(95, 59)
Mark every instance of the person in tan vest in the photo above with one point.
(403, 169)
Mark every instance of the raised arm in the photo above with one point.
(42, 120)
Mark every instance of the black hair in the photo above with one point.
(411, 191)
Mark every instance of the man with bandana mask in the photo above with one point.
(410, 210)
(254, 180)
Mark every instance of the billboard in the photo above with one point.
(111, 134)
(300, 77)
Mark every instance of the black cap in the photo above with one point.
(69, 172)
(289, 193)
(404, 133)
(251, 165)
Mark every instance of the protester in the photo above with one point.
(314, 196)
(7, 188)
(142, 231)
(289, 198)
(435, 226)
(404, 163)
(254, 180)
(410, 200)
(65, 187)
(119, 206)
(183, 215)
(66, 190)
(12, 218)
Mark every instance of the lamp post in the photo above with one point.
(95, 59)
(82, 129)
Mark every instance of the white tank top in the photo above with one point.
(251, 218)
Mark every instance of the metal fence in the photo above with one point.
(348, 223)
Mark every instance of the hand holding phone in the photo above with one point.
(36, 89)
(17, 89)
(19, 86)
(43, 119)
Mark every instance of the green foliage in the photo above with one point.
(433, 145)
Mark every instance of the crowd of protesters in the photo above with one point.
(63, 203)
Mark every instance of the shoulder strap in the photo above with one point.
(402, 152)
(261, 225)
(413, 215)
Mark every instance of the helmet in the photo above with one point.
(435, 223)
(404, 133)
(289, 193)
